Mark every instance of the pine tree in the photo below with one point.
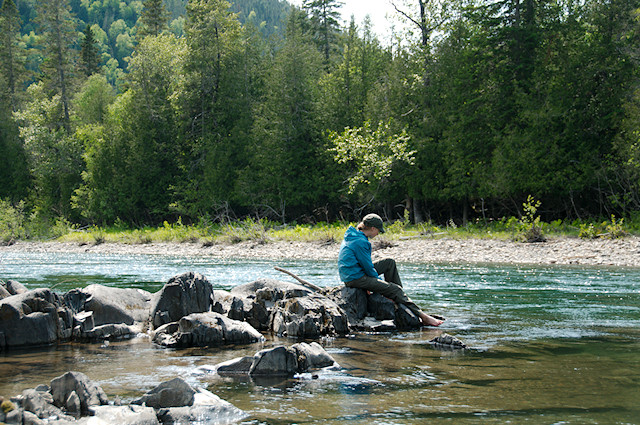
(326, 27)
(58, 27)
(154, 18)
(12, 62)
(89, 58)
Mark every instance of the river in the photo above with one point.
(548, 345)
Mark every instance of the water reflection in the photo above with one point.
(550, 344)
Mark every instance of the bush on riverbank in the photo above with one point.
(15, 225)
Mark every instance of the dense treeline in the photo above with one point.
(207, 117)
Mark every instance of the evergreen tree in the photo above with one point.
(12, 57)
(58, 27)
(325, 17)
(153, 19)
(89, 56)
(284, 175)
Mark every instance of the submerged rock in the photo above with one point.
(448, 341)
(279, 361)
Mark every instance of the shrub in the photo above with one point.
(12, 222)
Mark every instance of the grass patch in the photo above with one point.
(15, 225)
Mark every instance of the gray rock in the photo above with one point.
(206, 409)
(111, 305)
(3, 291)
(259, 297)
(72, 404)
(237, 366)
(88, 392)
(372, 313)
(129, 415)
(447, 341)
(29, 418)
(105, 332)
(352, 301)
(206, 329)
(312, 356)
(36, 317)
(310, 316)
(181, 295)
(14, 287)
(40, 403)
(270, 290)
(174, 393)
(405, 319)
(279, 361)
(380, 308)
(14, 417)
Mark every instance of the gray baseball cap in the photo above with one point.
(373, 220)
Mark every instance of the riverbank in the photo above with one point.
(563, 251)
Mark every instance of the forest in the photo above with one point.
(140, 112)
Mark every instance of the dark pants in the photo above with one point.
(390, 287)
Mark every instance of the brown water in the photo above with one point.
(549, 346)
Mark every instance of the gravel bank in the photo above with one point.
(598, 252)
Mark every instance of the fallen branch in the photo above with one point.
(302, 281)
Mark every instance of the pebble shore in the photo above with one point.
(563, 251)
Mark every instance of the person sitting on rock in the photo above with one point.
(357, 270)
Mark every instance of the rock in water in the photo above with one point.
(448, 341)
(182, 295)
(88, 393)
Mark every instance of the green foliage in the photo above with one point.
(211, 119)
(89, 56)
(612, 229)
(530, 229)
(372, 152)
(12, 222)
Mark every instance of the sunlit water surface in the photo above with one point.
(549, 345)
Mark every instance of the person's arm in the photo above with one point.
(363, 255)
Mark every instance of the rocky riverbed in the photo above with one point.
(563, 251)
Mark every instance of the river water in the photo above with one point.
(549, 345)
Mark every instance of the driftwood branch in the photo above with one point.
(299, 279)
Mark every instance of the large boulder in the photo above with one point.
(352, 301)
(180, 296)
(259, 297)
(67, 387)
(206, 329)
(310, 316)
(36, 317)
(111, 305)
(371, 312)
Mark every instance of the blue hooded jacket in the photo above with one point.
(354, 259)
